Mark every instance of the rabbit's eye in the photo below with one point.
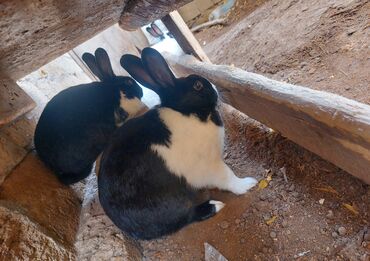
(198, 85)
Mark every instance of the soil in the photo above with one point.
(240, 231)
(323, 45)
(305, 211)
(310, 210)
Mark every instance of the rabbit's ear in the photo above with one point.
(104, 64)
(90, 61)
(157, 67)
(133, 65)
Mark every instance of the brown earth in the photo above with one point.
(240, 231)
(299, 216)
(320, 44)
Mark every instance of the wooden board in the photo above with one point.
(14, 102)
(138, 13)
(36, 32)
(333, 127)
(184, 37)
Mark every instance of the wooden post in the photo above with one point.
(333, 127)
(184, 37)
(82, 65)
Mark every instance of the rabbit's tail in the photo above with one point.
(206, 210)
(71, 178)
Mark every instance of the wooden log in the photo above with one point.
(329, 125)
(138, 13)
(35, 32)
(208, 24)
(14, 102)
(184, 37)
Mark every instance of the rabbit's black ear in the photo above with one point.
(102, 59)
(90, 61)
(133, 65)
(157, 67)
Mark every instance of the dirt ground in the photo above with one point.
(311, 210)
(323, 45)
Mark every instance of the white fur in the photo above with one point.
(218, 204)
(196, 151)
(131, 106)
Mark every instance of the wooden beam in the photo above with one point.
(208, 24)
(138, 13)
(34, 32)
(82, 65)
(14, 102)
(184, 37)
(329, 125)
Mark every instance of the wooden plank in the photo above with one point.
(184, 37)
(333, 127)
(138, 13)
(14, 102)
(82, 65)
(36, 32)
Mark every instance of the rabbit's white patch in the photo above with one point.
(218, 204)
(195, 152)
(131, 106)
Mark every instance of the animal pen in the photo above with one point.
(42, 219)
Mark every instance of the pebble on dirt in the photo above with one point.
(224, 224)
(330, 214)
(342, 231)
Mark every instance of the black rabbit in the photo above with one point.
(77, 123)
(154, 164)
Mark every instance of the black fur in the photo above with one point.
(136, 190)
(77, 123)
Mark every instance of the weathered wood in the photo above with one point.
(333, 127)
(14, 102)
(34, 32)
(207, 24)
(184, 37)
(138, 13)
(82, 65)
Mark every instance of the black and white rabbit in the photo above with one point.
(77, 123)
(154, 165)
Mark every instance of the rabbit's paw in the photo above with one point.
(242, 185)
(218, 204)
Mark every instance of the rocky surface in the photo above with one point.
(22, 238)
(40, 210)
